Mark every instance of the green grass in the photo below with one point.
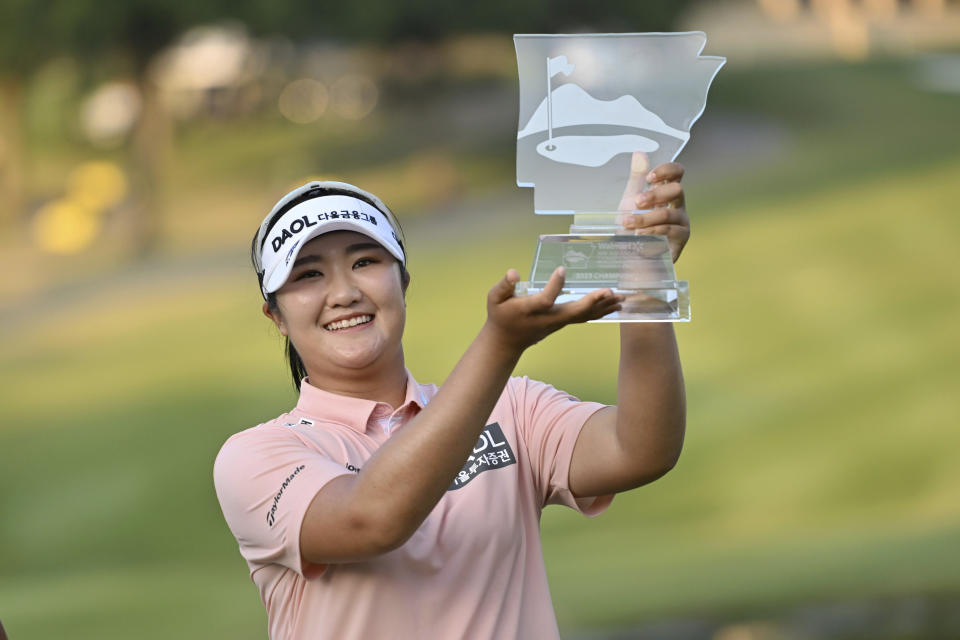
(821, 367)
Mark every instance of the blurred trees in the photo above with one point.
(129, 33)
(389, 20)
(34, 32)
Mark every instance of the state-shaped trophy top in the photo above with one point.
(589, 102)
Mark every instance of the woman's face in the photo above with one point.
(343, 305)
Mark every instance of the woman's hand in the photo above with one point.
(667, 215)
(519, 322)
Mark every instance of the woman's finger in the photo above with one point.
(666, 172)
(554, 286)
(660, 195)
(595, 304)
(655, 217)
(599, 309)
(504, 289)
(670, 230)
(639, 164)
(677, 236)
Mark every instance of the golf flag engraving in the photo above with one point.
(610, 103)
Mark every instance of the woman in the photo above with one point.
(380, 507)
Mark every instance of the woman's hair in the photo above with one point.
(298, 370)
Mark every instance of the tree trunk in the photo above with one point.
(12, 154)
(151, 149)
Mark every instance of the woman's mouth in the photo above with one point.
(339, 325)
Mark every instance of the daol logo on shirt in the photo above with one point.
(491, 452)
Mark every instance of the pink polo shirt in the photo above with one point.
(474, 568)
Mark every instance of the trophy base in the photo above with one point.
(638, 267)
(654, 304)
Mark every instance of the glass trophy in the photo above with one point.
(596, 109)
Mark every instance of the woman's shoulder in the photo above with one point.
(258, 447)
(273, 431)
(523, 387)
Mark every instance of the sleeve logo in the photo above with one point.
(492, 451)
(272, 513)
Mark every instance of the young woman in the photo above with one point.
(380, 507)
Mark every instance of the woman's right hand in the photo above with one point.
(519, 322)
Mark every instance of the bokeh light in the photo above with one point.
(205, 57)
(65, 227)
(303, 101)
(71, 224)
(110, 112)
(354, 96)
(97, 186)
(780, 10)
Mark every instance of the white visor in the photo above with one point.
(315, 217)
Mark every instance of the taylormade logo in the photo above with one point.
(272, 514)
(297, 225)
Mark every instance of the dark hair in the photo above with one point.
(298, 370)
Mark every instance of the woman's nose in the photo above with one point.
(342, 291)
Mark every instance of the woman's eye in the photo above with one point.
(310, 273)
(362, 262)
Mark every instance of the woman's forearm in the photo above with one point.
(361, 516)
(440, 438)
(651, 402)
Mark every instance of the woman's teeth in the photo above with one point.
(346, 324)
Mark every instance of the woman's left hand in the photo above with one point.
(519, 322)
(667, 214)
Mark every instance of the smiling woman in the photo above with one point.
(366, 511)
(343, 309)
(360, 211)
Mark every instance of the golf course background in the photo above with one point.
(822, 363)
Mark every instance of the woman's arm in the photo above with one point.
(640, 439)
(359, 516)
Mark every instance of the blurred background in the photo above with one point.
(141, 143)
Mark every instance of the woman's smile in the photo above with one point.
(349, 322)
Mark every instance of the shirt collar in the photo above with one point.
(353, 412)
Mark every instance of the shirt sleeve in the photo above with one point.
(265, 479)
(549, 422)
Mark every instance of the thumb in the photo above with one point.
(639, 166)
(504, 289)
